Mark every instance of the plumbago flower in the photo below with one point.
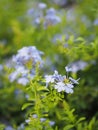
(51, 17)
(42, 5)
(25, 62)
(61, 83)
(43, 15)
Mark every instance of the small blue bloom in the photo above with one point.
(68, 69)
(23, 80)
(78, 65)
(42, 5)
(9, 128)
(52, 123)
(13, 76)
(49, 79)
(74, 81)
(42, 119)
(37, 21)
(96, 22)
(60, 86)
(51, 11)
(30, 11)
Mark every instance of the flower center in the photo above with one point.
(66, 80)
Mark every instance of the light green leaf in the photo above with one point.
(81, 119)
(91, 123)
(42, 89)
(26, 105)
(80, 39)
(68, 127)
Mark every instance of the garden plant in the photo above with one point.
(48, 65)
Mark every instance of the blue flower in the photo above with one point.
(28, 53)
(78, 65)
(73, 81)
(13, 76)
(51, 11)
(42, 119)
(60, 86)
(51, 20)
(23, 80)
(30, 11)
(57, 77)
(61, 83)
(9, 128)
(68, 69)
(51, 123)
(68, 88)
(96, 22)
(27, 56)
(19, 71)
(42, 5)
(49, 79)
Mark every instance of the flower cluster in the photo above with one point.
(51, 18)
(45, 16)
(61, 83)
(24, 64)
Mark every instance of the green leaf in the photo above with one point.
(81, 119)
(68, 127)
(26, 105)
(92, 123)
(80, 39)
(42, 89)
(2, 126)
